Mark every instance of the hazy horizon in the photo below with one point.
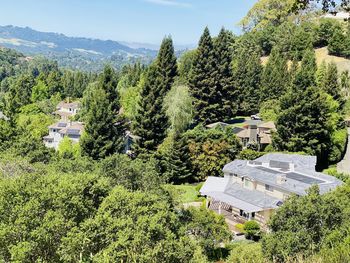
(134, 21)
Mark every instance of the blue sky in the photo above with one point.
(146, 21)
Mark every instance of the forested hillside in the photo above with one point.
(99, 201)
(73, 52)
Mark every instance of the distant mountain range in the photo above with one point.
(74, 52)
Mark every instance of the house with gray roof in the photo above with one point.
(58, 130)
(252, 190)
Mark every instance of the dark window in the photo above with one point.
(268, 188)
(253, 214)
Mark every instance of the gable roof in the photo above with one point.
(76, 128)
(237, 196)
(268, 125)
(296, 180)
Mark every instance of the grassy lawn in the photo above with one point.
(184, 193)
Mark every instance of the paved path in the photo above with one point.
(344, 165)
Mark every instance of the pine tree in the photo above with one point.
(247, 76)
(20, 93)
(306, 75)
(337, 43)
(166, 66)
(321, 74)
(108, 82)
(225, 92)
(293, 70)
(274, 79)
(203, 82)
(151, 122)
(303, 124)
(178, 168)
(331, 83)
(102, 136)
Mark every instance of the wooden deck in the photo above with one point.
(231, 219)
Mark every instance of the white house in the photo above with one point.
(59, 130)
(67, 109)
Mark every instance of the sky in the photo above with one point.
(144, 21)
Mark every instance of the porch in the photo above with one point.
(234, 215)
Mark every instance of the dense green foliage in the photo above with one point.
(91, 202)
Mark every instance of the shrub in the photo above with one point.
(252, 230)
(246, 253)
(249, 154)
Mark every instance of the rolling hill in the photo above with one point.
(72, 52)
(322, 55)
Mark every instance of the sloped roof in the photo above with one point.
(268, 125)
(305, 161)
(297, 181)
(59, 125)
(73, 105)
(76, 128)
(214, 184)
(237, 196)
(216, 124)
(265, 138)
(63, 113)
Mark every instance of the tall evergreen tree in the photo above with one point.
(151, 122)
(225, 92)
(203, 81)
(337, 43)
(331, 83)
(20, 93)
(108, 82)
(274, 79)
(293, 71)
(321, 74)
(247, 76)
(306, 75)
(102, 136)
(305, 123)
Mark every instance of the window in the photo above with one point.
(268, 188)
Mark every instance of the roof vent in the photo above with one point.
(281, 178)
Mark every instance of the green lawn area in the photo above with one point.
(184, 193)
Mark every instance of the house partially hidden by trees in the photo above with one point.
(256, 134)
(57, 131)
(65, 127)
(66, 110)
(252, 190)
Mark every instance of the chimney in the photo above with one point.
(253, 133)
